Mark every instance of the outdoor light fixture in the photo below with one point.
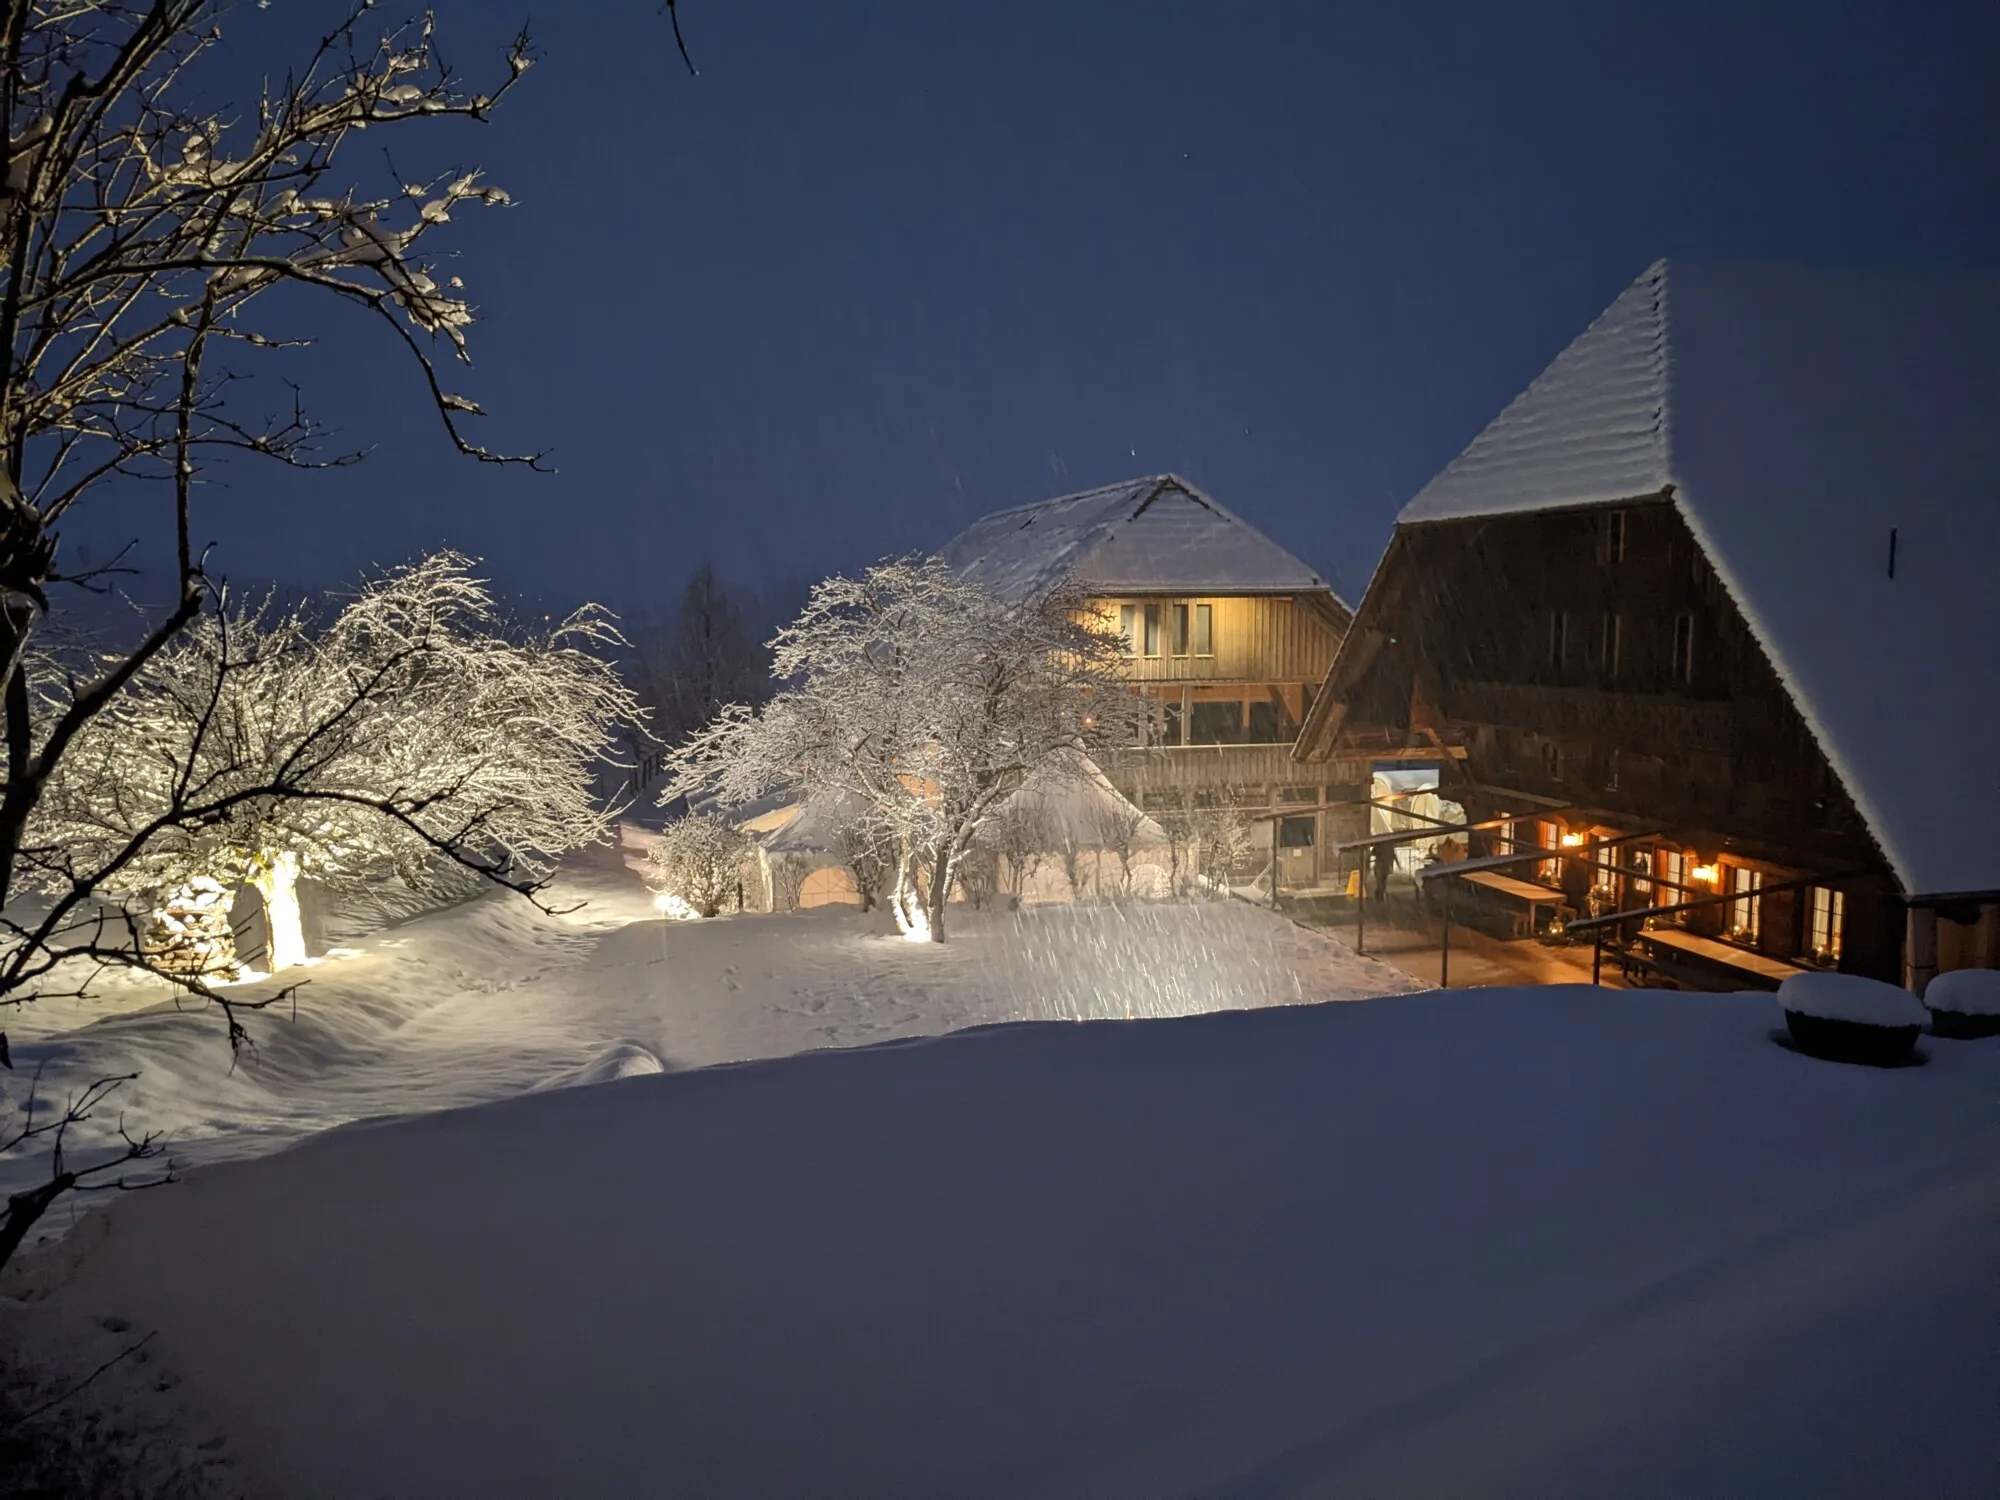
(1706, 874)
(1571, 840)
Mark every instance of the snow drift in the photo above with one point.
(1550, 1242)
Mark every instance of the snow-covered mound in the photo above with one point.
(1851, 999)
(1965, 992)
(619, 1060)
(1561, 1242)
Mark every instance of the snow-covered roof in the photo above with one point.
(1154, 535)
(1071, 791)
(1795, 417)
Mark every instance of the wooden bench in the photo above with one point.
(1518, 901)
(1687, 955)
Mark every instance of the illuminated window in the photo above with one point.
(1671, 867)
(1829, 910)
(1745, 914)
(1128, 626)
(1152, 630)
(1204, 635)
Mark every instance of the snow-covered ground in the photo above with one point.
(1508, 1242)
(493, 999)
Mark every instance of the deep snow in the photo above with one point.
(493, 998)
(1511, 1242)
(1535, 1242)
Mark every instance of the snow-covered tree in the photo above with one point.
(406, 735)
(920, 696)
(698, 860)
(140, 231)
(1117, 826)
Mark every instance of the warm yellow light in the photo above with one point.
(1571, 840)
(1706, 874)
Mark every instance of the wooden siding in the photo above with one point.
(1257, 638)
(1682, 728)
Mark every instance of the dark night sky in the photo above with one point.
(881, 268)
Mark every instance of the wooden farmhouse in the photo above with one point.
(1706, 626)
(1227, 633)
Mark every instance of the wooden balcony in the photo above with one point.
(1213, 768)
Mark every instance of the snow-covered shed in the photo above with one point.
(1227, 632)
(1817, 451)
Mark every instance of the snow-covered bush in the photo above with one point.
(699, 860)
(1846, 1018)
(1964, 1003)
(1225, 836)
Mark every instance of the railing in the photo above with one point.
(1173, 767)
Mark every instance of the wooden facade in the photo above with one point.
(1228, 716)
(1584, 672)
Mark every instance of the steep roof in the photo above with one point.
(1154, 535)
(1795, 417)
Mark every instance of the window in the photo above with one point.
(1216, 723)
(1295, 833)
(1829, 910)
(1610, 643)
(1170, 730)
(1548, 836)
(1558, 637)
(1180, 645)
(1681, 664)
(1614, 537)
(1639, 874)
(1744, 909)
(1263, 722)
(1204, 636)
(1671, 866)
(1152, 630)
(1128, 626)
(1552, 761)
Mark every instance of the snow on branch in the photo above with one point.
(408, 734)
(925, 700)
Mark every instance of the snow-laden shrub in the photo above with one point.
(1965, 1003)
(698, 860)
(1846, 1018)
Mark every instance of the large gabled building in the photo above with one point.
(1723, 585)
(1227, 633)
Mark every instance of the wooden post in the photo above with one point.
(1920, 949)
(1444, 952)
(1361, 908)
(1597, 955)
(1275, 821)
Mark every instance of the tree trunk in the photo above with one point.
(906, 900)
(276, 878)
(24, 1209)
(944, 869)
